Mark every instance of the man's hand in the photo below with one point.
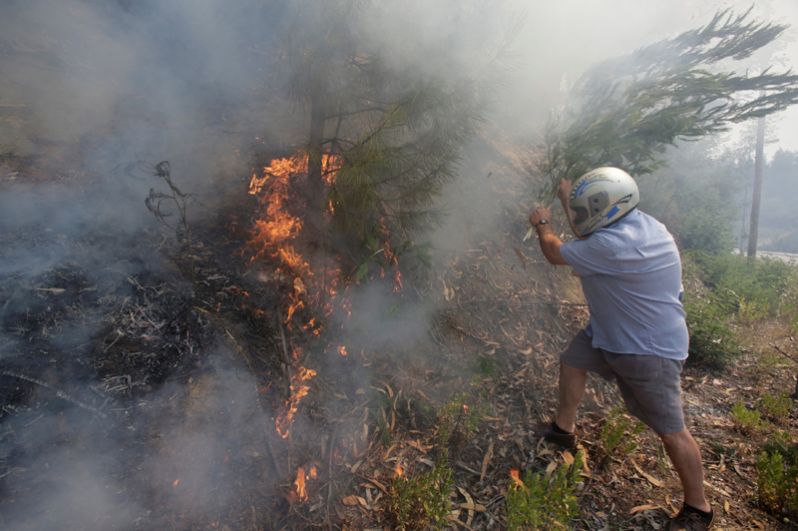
(564, 191)
(539, 214)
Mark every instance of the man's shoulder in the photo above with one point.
(639, 226)
(650, 221)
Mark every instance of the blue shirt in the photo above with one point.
(631, 276)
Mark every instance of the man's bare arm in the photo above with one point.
(549, 242)
(550, 245)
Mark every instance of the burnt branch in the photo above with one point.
(164, 205)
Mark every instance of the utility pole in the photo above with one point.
(756, 195)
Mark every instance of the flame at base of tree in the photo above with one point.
(299, 389)
(313, 283)
(300, 483)
(313, 289)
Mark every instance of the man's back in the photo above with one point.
(631, 278)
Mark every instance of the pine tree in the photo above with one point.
(396, 129)
(630, 109)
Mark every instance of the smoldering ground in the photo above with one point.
(183, 454)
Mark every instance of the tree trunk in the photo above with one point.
(315, 183)
(756, 196)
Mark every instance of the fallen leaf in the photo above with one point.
(350, 500)
(717, 489)
(726, 506)
(486, 460)
(418, 446)
(654, 481)
(645, 507)
(53, 291)
(378, 485)
(477, 507)
(567, 457)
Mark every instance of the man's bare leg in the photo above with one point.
(686, 458)
(572, 387)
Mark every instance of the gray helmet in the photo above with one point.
(601, 197)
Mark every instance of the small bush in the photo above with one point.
(765, 288)
(422, 501)
(739, 292)
(776, 407)
(770, 362)
(777, 478)
(545, 500)
(618, 434)
(746, 420)
(712, 343)
(457, 420)
(485, 366)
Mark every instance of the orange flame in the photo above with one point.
(398, 471)
(516, 477)
(397, 281)
(276, 235)
(299, 390)
(299, 484)
(342, 350)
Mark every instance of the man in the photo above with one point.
(630, 272)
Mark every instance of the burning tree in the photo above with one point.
(396, 130)
(630, 109)
(382, 138)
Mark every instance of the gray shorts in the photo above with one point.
(650, 385)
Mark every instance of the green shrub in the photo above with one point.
(776, 407)
(457, 420)
(768, 362)
(486, 366)
(712, 343)
(777, 478)
(618, 434)
(763, 288)
(421, 501)
(739, 291)
(545, 500)
(746, 420)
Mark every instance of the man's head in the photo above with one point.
(600, 198)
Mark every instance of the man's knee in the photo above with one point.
(676, 438)
(570, 370)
